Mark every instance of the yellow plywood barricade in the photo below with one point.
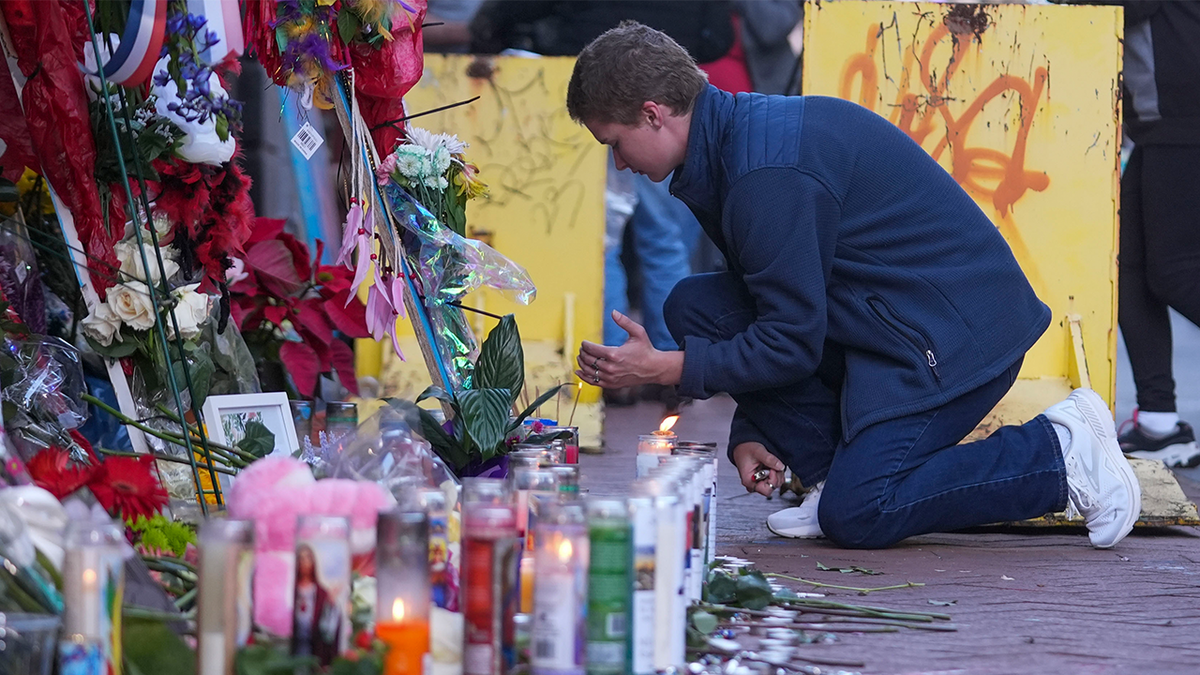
(1020, 104)
(546, 213)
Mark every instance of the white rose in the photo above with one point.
(131, 302)
(102, 325)
(131, 261)
(191, 312)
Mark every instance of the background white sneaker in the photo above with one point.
(799, 522)
(1102, 485)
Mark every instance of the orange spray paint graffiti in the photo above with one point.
(931, 108)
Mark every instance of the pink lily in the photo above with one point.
(352, 231)
(381, 316)
(365, 254)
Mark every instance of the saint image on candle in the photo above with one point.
(317, 617)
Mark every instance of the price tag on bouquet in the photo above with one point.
(307, 140)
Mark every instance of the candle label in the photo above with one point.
(645, 535)
(489, 605)
(441, 572)
(609, 598)
(646, 463)
(556, 616)
(321, 617)
(82, 657)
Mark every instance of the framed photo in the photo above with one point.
(226, 418)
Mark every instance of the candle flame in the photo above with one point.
(89, 577)
(668, 422)
(398, 610)
(565, 550)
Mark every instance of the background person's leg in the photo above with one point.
(658, 225)
(909, 476)
(800, 424)
(1143, 317)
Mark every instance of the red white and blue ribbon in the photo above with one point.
(224, 19)
(133, 62)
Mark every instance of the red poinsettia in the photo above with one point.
(282, 283)
(128, 487)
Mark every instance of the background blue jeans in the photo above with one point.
(897, 478)
(662, 227)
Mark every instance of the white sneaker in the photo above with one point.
(1102, 485)
(799, 522)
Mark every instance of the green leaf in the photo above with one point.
(267, 659)
(537, 403)
(501, 363)
(440, 394)
(116, 350)
(753, 590)
(258, 441)
(152, 647)
(445, 445)
(484, 418)
(852, 569)
(704, 622)
(721, 588)
(348, 26)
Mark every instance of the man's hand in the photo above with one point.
(634, 363)
(749, 458)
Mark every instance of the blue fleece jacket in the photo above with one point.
(844, 229)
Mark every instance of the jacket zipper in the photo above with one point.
(930, 357)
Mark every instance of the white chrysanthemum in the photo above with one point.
(431, 182)
(409, 160)
(452, 144)
(441, 160)
(423, 138)
(427, 168)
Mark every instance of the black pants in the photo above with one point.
(1159, 262)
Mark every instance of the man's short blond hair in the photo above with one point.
(627, 66)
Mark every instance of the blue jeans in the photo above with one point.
(895, 479)
(660, 224)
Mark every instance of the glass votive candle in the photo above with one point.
(404, 592)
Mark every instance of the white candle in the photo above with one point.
(226, 567)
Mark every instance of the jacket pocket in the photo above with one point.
(913, 335)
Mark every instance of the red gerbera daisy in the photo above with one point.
(128, 487)
(53, 470)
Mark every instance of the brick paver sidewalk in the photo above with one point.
(1026, 601)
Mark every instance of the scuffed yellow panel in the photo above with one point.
(546, 210)
(1021, 105)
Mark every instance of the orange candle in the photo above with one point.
(407, 642)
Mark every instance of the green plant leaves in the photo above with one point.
(258, 441)
(151, 647)
(501, 363)
(749, 589)
(446, 446)
(485, 418)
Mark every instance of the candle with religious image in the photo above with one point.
(321, 606)
(651, 446)
(403, 587)
(490, 553)
(226, 549)
(93, 576)
(527, 483)
(559, 631)
(690, 473)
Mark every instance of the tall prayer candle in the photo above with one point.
(490, 552)
(560, 589)
(404, 595)
(610, 586)
(93, 586)
(708, 451)
(642, 628)
(226, 549)
(321, 607)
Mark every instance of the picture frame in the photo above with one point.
(225, 416)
